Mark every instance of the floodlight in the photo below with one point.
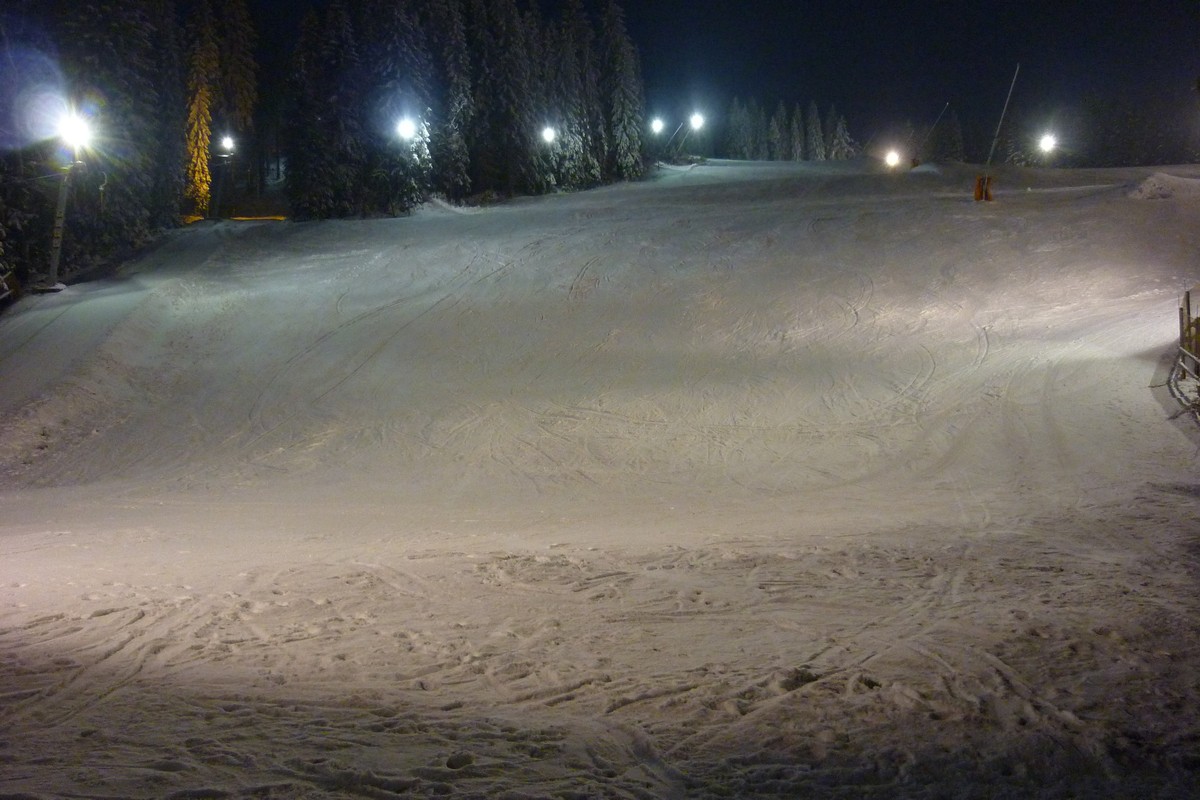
(892, 158)
(697, 121)
(657, 125)
(75, 131)
(548, 135)
(406, 129)
(1048, 143)
(227, 144)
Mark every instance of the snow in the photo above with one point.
(749, 480)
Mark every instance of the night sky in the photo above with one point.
(883, 62)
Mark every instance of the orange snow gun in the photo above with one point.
(983, 188)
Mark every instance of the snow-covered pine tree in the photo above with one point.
(111, 54)
(830, 128)
(203, 97)
(595, 137)
(237, 96)
(239, 84)
(841, 146)
(737, 131)
(814, 136)
(504, 133)
(579, 68)
(340, 121)
(566, 95)
(760, 149)
(450, 98)
(552, 109)
(796, 133)
(485, 159)
(519, 131)
(166, 133)
(311, 163)
(621, 87)
(396, 68)
(778, 139)
(19, 202)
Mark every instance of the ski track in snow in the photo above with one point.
(751, 480)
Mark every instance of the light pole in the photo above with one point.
(226, 160)
(75, 133)
(656, 128)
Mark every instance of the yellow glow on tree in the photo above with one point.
(199, 137)
(203, 77)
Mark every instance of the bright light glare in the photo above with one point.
(657, 125)
(227, 143)
(75, 131)
(892, 159)
(548, 135)
(406, 129)
(697, 121)
(1048, 143)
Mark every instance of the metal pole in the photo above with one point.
(667, 146)
(683, 141)
(60, 224)
(996, 138)
(929, 133)
(214, 211)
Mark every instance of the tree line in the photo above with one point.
(481, 82)
(753, 133)
(501, 101)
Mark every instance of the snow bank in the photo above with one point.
(1161, 186)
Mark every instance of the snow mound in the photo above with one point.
(1161, 186)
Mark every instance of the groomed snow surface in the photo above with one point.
(748, 480)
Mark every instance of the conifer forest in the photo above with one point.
(371, 107)
(380, 104)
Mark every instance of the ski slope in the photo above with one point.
(750, 479)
